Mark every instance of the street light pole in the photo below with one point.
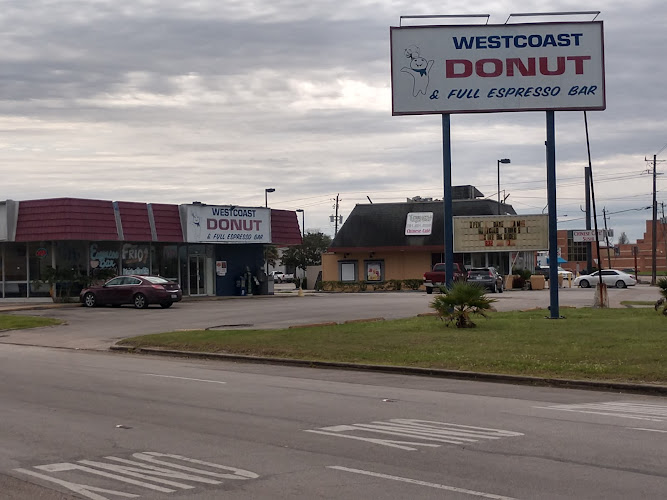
(266, 196)
(503, 160)
(303, 223)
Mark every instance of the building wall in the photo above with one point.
(621, 256)
(397, 265)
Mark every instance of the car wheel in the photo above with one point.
(584, 284)
(140, 301)
(429, 290)
(166, 305)
(620, 284)
(89, 300)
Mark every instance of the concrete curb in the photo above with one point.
(647, 389)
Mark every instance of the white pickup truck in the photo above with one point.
(281, 277)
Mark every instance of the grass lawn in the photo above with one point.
(594, 344)
(12, 322)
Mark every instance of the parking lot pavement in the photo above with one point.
(99, 328)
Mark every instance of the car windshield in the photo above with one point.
(478, 272)
(155, 279)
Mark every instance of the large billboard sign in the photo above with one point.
(495, 68)
(226, 224)
(501, 233)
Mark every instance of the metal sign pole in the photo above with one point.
(447, 178)
(553, 224)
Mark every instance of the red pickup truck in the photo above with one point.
(436, 277)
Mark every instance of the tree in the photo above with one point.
(309, 253)
(271, 255)
(623, 239)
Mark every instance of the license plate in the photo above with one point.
(173, 295)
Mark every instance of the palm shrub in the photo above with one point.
(459, 302)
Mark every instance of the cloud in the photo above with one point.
(172, 101)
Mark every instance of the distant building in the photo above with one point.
(384, 241)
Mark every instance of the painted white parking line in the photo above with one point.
(636, 411)
(429, 433)
(421, 483)
(184, 378)
(647, 430)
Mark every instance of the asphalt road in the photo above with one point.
(93, 425)
(99, 328)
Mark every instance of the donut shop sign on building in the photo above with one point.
(226, 224)
(495, 68)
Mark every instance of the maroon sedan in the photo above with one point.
(137, 290)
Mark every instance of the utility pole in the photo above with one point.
(606, 235)
(589, 250)
(336, 226)
(664, 234)
(654, 242)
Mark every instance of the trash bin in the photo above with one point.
(240, 286)
(537, 282)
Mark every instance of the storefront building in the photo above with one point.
(205, 248)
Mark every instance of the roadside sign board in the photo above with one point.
(501, 233)
(587, 235)
(495, 68)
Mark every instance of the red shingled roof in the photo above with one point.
(134, 221)
(285, 228)
(66, 219)
(167, 222)
(58, 219)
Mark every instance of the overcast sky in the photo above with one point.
(174, 101)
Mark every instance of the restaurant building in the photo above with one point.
(398, 241)
(205, 248)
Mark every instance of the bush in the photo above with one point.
(459, 302)
(413, 284)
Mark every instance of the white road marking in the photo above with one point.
(162, 468)
(184, 378)
(81, 489)
(421, 483)
(636, 411)
(401, 445)
(66, 466)
(428, 431)
(647, 430)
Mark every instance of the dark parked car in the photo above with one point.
(137, 290)
(488, 277)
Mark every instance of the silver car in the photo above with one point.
(610, 277)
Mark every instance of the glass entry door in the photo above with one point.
(197, 274)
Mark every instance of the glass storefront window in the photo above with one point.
(39, 258)
(16, 268)
(164, 261)
(136, 258)
(71, 255)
